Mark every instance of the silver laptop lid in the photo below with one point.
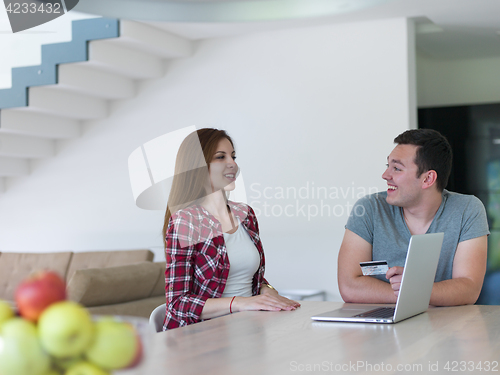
(418, 275)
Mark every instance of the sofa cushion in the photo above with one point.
(142, 307)
(101, 259)
(159, 288)
(15, 267)
(104, 286)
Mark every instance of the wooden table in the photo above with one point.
(444, 339)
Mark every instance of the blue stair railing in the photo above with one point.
(76, 50)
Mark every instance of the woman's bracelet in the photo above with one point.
(231, 304)
(269, 286)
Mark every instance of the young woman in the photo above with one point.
(215, 259)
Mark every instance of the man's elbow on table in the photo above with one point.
(474, 291)
(348, 292)
(456, 292)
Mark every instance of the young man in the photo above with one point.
(381, 224)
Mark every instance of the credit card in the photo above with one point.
(378, 267)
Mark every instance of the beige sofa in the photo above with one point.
(123, 282)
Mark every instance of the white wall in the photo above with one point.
(317, 106)
(443, 82)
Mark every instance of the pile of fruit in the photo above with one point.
(50, 335)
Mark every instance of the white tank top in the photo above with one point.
(244, 260)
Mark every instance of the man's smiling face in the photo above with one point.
(404, 188)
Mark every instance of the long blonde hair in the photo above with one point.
(192, 170)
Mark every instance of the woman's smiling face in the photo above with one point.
(223, 167)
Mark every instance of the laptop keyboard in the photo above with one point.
(380, 312)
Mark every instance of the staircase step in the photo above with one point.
(150, 39)
(114, 58)
(59, 102)
(25, 121)
(13, 167)
(34, 75)
(82, 32)
(84, 78)
(18, 146)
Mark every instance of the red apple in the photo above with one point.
(139, 353)
(37, 292)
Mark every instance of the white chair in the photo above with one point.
(157, 316)
(304, 294)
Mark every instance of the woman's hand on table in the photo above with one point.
(268, 301)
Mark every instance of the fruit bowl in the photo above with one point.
(118, 344)
(43, 333)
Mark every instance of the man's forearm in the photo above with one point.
(454, 292)
(366, 289)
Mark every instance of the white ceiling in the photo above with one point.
(446, 28)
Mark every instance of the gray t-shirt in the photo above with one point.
(460, 217)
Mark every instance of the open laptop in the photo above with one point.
(415, 291)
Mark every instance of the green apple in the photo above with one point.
(65, 363)
(20, 351)
(65, 329)
(85, 368)
(115, 344)
(6, 312)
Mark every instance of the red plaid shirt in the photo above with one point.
(197, 261)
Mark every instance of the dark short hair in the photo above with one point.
(433, 153)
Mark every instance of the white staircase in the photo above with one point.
(82, 92)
